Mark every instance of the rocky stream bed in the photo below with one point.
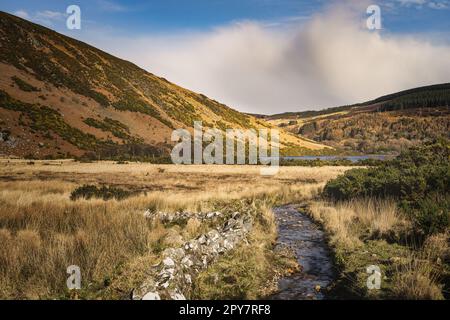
(307, 241)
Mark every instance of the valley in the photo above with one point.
(86, 180)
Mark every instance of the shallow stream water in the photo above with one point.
(307, 241)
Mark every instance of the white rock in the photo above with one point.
(147, 213)
(213, 235)
(171, 270)
(177, 296)
(151, 296)
(202, 239)
(187, 262)
(168, 262)
(227, 245)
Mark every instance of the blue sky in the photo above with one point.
(160, 16)
(168, 15)
(267, 56)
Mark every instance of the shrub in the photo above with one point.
(23, 85)
(412, 175)
(414, 179)
(431, 214)
(117, 128)
(106, 193)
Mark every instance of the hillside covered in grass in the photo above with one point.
(61, 97)
(387, 124)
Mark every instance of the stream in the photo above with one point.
(304, 237)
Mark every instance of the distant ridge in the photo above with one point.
(432, 95)
(387, 124)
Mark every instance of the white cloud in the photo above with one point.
(437, 4)
(328, 60)
(22, 13)
(412, 2)
(49, 14)
(46, 17)
(111, 6)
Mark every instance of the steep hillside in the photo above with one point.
(387, 124)
(60, 97)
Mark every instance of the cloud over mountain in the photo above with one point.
(326, 60)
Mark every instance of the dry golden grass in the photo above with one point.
(42, 231)
(419, 278)
(39, 241)
(347, 221)
(357, 230)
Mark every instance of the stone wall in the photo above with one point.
(173, 277)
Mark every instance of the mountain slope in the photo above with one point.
(62, 97)
(421, 97)
(386, 124)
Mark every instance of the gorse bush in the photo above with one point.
(414, 174)
(23, 85)
(106, 193)
(117, 128)
(418, 179)
(431, 214)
